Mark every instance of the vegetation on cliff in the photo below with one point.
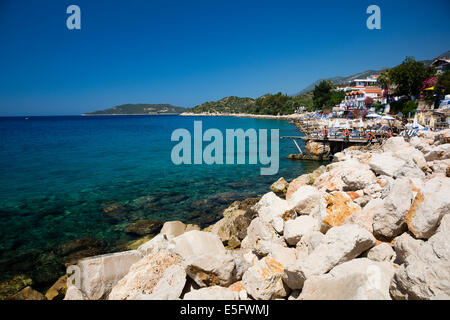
(269, 104)
(130, 109)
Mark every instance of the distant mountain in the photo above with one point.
(341, 80)
(140, 109)
(226, 105)
(445, 55)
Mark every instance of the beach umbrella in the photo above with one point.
(361, 124)
(421, 119)
(387, 118)
(415, 123)
(337, 124)
(372, 115)
(431, 122)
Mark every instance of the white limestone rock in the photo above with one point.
(358, 279)
(429, 206)
(386, 164)
(207, 262)
(426, 275)
(99, 274)
(294, 230)
(212, 293)
(263, 281)
(155, 277)
(73, 293)
(389, 221)
(259, 230)
(308, 200)
(382, 252)
(404, 246)
(339, 245)
(270, 206)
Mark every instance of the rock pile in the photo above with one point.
(373, 224)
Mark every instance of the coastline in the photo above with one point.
(136, 114)
(243, 115)
(368, 209)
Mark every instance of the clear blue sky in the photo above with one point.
(188, 52)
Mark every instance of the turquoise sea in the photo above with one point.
(69, 178)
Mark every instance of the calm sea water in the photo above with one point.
(58, 174)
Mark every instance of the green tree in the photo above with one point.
(322, 94)
(408, 77)
(443, 85)
(336, 97)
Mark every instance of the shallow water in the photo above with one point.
(57, 174)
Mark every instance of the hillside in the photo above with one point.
(268, 104)
(226, 105)
(138, 109)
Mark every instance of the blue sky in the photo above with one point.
(189, 52)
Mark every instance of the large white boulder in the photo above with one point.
(295, 229)
(197, 243)
(308, 244)
(73, 293)
(207, 262)
(364, 218)
(389, 221)
(359, 178)
(210, 270)
(339, 245)
(99, 274)
(174, 229)
(440, 152)
(156, 277)
(257, 231)
(382, 252)
(429, 206)
(308, 200)
(157, 244)
(386, 164)
(404, 246)
(270, 206)
(426, 275)
(358, 279)
(212, 293)
(263, 281)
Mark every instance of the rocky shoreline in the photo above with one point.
(244, 115)
(373, 224)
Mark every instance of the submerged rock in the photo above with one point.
(58, 290)
(279, 187)
(28, 293)
(144, 227)
(14, 285)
